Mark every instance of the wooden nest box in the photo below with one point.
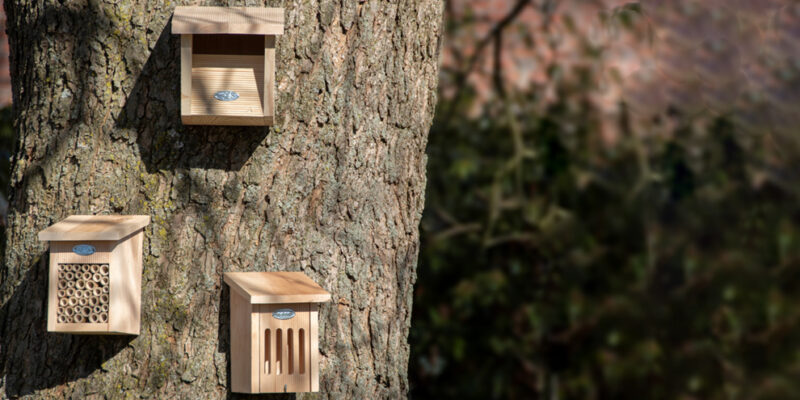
(274, 331)
(227, 64)
(95, 274)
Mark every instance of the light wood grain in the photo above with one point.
(281, 372)
(125, 295)
(269, 76)
(313, 346)
(244, 75)
(186, 74)
(234, 20)
(94, 227)
(276, 287)
(123, 257)
(225, 120)
(244, 341)
(268, 356)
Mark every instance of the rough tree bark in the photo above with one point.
(334, 189)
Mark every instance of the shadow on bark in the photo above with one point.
(37, 359)
(151, 115)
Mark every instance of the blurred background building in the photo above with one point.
(612, 208)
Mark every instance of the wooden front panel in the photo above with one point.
(285, 359)
(61, 253)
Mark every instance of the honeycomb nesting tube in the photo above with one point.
(93, 301)
(94, 318)
(80, 285)
(62, 293)
(63, 302)
(69, 276)
(83, 301)
(104, 307)
(96, 277)
(96, 292)
(62, 284)
(95, 268)
(78, 318)
(104, 280)
(104, 299)
(70, 292)
(69, 311)
(90, 285)
(87, 276)
(105, 289)
(103, 317)
(104, 269)
(62, 319)
(97, 309)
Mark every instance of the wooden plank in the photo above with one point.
(125, 292)
(244, 75)
(94, 227)
(234, 20)
(225, 120)
(296, 381)
(186, 74)
(269, 75)
(313, 337)
(52, 294)
(268, 350)
(276, 287)
(244, 379)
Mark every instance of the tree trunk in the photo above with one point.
(335, 189)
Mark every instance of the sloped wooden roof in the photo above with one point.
(233, 20)
(276, 287)
(94, 227)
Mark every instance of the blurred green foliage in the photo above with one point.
(557, 265)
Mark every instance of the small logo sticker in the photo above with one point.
(226, 95)
(283, 313)
(84, 249)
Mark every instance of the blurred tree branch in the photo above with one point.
(492, 37)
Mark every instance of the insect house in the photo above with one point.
(227, 64)
(274, 331)
(95, 274)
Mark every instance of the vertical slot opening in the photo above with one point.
(301, 347)
(266, 351)
(290, 348)
(278, 351)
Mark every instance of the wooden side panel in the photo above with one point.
(61, 253)
(124, 310)
(186, 74)
(313, 337)
(244, 326)
(269, 76)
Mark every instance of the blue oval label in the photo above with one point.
(84, 249)
(283, 313)
(226, 95)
